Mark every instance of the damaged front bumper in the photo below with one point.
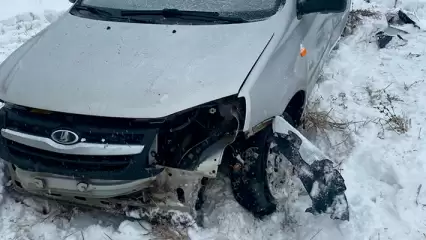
(112, 166)
(172, 189)
(324, 184)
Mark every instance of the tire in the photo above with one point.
(249, 181)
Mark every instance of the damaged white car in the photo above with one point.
(136, 104)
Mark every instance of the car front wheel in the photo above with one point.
(260, 176)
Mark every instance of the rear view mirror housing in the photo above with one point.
(321, 6)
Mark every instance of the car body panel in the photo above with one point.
(113, 69)
(117, 69)
(281, 71)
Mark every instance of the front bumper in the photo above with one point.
(172, 189)
(112, 168)
(53, 184)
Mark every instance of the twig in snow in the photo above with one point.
(52, 214)
(108, 236)
(343, 141)
(375, 95)
(82, 235)
(417, 196)
(140, 224)
(407, 87)
(316, 234)
(148, 232)
(69, 235)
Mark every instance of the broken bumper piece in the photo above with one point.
(324, 184)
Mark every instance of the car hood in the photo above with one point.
(131, 70)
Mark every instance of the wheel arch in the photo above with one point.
(296, 106)
(293, 106)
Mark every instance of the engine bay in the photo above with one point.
(184, 137)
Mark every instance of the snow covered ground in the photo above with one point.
(381, 152)
(10, 8)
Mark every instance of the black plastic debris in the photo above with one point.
(323, 183)
(383, 39)
(405, 19)
(400, 18)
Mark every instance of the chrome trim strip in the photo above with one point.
(94, 149)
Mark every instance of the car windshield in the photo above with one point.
(249, 9)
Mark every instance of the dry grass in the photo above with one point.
(399, 124)
(166, 232)
(355, 19)
(321, 120)
(321, 127)
(316, 120)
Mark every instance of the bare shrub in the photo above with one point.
(323, 126)
(384, 101)
(398, 123)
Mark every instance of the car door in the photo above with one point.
(307, 29)
(330, 28)
(317, 42)
(339, 22)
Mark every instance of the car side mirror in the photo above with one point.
(321, 6)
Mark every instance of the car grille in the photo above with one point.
(92, 129)
(70, 162)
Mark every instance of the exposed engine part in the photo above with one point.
(183, 139)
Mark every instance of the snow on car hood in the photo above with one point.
(128, 69)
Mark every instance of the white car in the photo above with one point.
(137, 103)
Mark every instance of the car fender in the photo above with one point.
(275, 77)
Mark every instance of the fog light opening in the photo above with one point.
(180, 195)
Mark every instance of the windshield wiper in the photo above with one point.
(109, 15)
(93, 10)
(176, 13)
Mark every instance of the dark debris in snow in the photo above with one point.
(400, 18)
(383, 38)
(323, 183)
